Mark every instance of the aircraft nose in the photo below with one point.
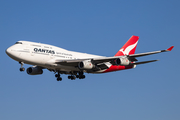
(8, 51)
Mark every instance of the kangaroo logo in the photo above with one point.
(128, 49)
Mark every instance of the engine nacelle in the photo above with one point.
(86, 65)
(34, 70)
(122, 61)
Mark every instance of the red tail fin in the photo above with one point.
(129, 47)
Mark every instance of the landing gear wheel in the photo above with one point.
(77, 76)
(72, 77)
(22, 69)
(58, 77)
(81, 75)
(69, 77)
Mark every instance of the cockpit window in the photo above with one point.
(18, 43)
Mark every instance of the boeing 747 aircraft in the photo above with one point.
(74, 64)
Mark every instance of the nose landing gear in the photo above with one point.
(22, 68)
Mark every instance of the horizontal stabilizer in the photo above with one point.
(138, 63)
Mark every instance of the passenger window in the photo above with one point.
(18, 43)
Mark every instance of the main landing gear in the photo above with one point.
(73, 76)
(80, 76)
(22, 68)
(58, 77)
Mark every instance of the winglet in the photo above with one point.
(169, 49)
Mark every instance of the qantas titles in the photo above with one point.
(39, 50)
(44, 50)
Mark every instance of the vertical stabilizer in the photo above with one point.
(129, 47)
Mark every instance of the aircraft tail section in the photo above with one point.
(129, 47)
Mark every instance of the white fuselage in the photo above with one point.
(44, 55)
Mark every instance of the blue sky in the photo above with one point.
(149, 91)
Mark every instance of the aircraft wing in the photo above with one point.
(102, 60)
(69, 62)
(150, 53)
(93, 60)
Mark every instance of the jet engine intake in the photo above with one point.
(34, 70)
(122, 61)
(86, 65)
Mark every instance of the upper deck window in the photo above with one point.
(46, 47)
(36, 45)
(18, 43)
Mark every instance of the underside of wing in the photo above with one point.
(96, 61)
(91, 63)
(69, 62)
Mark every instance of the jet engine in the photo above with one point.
(35, 70)
(86, 65)
(122, 61)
